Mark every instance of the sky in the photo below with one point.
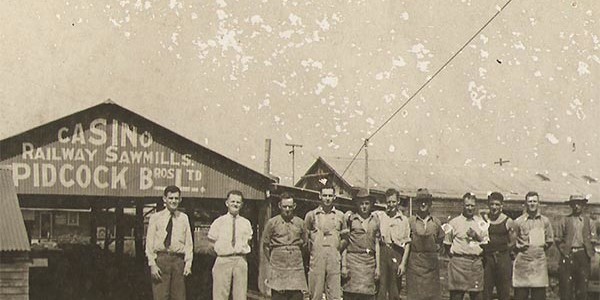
(323, 74)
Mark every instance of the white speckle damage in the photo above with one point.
(392, 148)
(329, 80)
(583, 68)
(576, 106)
(551, 138)
(288, 137)
(324, 24)
(256, 19)
(423, 152)
(478, 94)
(295, 20)
(421, 53)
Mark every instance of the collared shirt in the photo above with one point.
(325, 229)
(395, 229)
(427, 226)
(533, 230)
(279, 232)
(181, 236)
(461, 243)
(578, 232)
(363, 232)
(221, 231)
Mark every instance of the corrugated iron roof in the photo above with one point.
(454, 181)
(13, 235)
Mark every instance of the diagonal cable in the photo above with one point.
(426, 83)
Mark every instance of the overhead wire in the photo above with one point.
(366, 141)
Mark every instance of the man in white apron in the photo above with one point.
(534, 236)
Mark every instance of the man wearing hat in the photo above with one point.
(423, 272)
(464, 237)
(497, 263)
(394, 239)
(360, 262)
(573, 239)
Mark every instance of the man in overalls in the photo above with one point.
(534, 236)
(496, 254)
(423, 271)
(360, 264)
(284, 240)
(328, 235)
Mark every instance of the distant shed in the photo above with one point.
(14, 244)
(447, 184)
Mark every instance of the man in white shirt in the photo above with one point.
(169, 248)
(229, 236)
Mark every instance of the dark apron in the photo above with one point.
(286, 269)
(361, 272)
(423, 272)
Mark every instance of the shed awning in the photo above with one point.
(14, 235)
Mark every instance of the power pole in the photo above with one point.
(367, 165)
(293, 153)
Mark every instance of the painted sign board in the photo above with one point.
(108, 155)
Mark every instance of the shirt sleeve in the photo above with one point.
(150, 252)
(440, 232)
(548, 231)
(560, 231)
(266, 239)
(449, 236)
(213, 232)
(189, 244)
(309, 221)
(344, 232)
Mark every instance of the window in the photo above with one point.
(72, 218)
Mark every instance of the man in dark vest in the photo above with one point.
(573, 239)
(496, 254)
(423, 270)
(360, 262)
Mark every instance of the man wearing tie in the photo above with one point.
(169, 248)
(229, 236)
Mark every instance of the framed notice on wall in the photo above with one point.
(60, 218)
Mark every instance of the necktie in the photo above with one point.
(233, 234)
(169, 232)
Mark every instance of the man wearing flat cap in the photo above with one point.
(423, 272)
(573, 239)
(360, 262)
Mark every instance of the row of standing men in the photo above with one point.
(364, 254)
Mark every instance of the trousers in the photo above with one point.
(459, 295)
(286, 295)
(324, 274)
(171, 286)
(230, 274)
(523, 293)
(389, 281)
(497, 271)
(573, 276)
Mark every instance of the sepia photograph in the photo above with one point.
(300, 150)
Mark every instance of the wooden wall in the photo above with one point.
(14, 276)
